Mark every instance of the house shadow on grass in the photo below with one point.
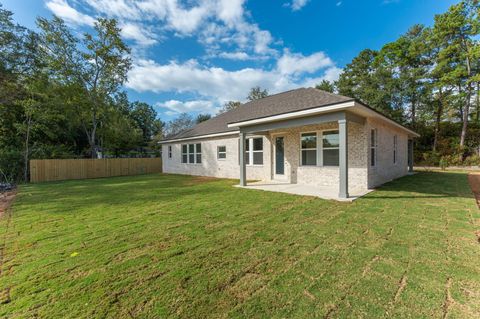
(432, 185)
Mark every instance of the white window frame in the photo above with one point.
(194, 153)
(184, 153)
(318, 134)
(251, 151)
(330, 148)
(319, 147)
(395, 152)
(374, 147)
(224, 152)
(169, 151)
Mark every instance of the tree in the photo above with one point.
(96, 68)
(228, 106)
(257, 93)
(407, 55)
(202, 118)
(457, 30)
(369, 79)
(326, 86)
(182, 123)
(145, 118)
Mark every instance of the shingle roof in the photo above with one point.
(286, 102)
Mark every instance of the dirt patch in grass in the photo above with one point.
(474, 180)
(6, 200)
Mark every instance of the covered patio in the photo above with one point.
(265, 125)
(346, 182)
(323, 192)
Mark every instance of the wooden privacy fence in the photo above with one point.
(64, 169)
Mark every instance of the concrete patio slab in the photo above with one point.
(323, 192)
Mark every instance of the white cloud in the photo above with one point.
(62, 9)
(242, 56)
(116, 8)
(298, 4)
(138, 33)
(230, 11)
(218, 85)
(175, 107)
(212, 22)
(297, 63)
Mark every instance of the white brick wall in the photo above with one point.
(361, 175)
(211, 166)
(326, 176)
(385, 170)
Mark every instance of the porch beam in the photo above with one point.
(243, 167)
(343, 160)
(310, 120)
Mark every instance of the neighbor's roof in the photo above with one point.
(290, 101)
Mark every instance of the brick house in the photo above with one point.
(302, 137)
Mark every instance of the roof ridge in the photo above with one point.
(331, 93)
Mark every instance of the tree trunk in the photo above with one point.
(466, 110)
(478, 103)
(438, 120)
(27, 149)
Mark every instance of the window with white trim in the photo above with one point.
(169, 151)
(221, 152)
(254, 151)
(308, 154)
(184, 153)
(330, 148)
(395, 149)
(373, 147)
(192, 153)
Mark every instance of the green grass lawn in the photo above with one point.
(176, 246)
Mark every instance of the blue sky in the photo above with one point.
(194, 55)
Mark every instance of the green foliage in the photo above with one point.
(257, 93)
(60, 96)
(202, 118)
(427, 77)
(326, 86)
(230, 105)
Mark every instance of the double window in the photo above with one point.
(254, 151)
(192, 153)
(169, 151)
(314, 153)
(373, 147)
(221, 152)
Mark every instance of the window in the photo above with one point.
(184, 153)
(254, 151)
(330, 148)
(192, 153)
(198, 153)
(169, 151)
(309, 149)
(373, 147)
(221, 152)
(394, 149)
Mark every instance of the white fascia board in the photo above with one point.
(197, 137)
(291, 115)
